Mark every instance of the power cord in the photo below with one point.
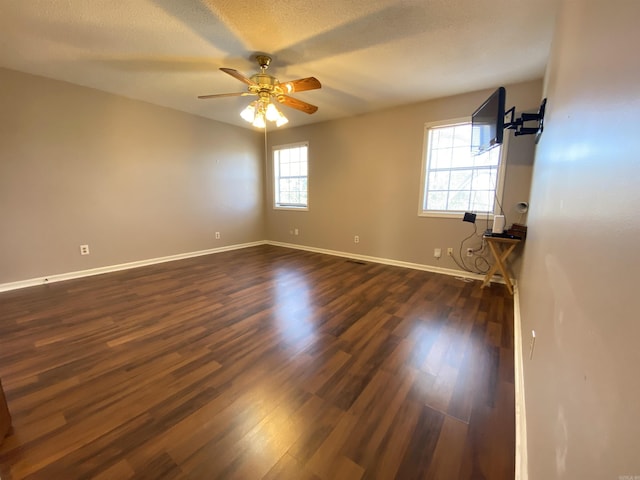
(479, 257)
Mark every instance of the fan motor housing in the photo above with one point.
(263, 82)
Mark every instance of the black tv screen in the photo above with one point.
(487, 123)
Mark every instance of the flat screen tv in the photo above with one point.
(487, 123)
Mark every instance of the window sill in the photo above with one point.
(294, 209)
(454, 215)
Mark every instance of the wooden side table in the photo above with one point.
(500, 248)
(5, 418)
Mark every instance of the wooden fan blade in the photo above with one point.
(297, 104)
(218, 95)
(238, 75)
(300, 85)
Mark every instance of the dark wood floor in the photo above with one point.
(263, 363)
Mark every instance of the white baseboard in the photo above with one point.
(4, 287)
(522, 469)
(385, 261)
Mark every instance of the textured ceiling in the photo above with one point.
(368, 54)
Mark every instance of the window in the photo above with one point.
(290, 171)
(454, 180)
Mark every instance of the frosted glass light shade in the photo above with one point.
(281, 120)
(272, 113)
(259, 121)
(249, 112)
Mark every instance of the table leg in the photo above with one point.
(499, 265)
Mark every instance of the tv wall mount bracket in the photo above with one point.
(518, 124)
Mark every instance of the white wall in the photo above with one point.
(580, 273)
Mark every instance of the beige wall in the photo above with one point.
(579, 281)
(364, 179)
(132, 180)
(136, 181)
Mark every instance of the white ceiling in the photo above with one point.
(368, 54)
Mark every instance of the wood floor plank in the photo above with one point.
(445, 464)
(323, 462)
(121, 470)
(422, 446)
(395, 443)
(346, 469)
(321, 422)
(262, 363)
(288, 468)
(364, 443)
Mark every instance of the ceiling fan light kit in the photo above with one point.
(267, 88)
(261, 110)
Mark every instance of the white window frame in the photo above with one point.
(457, 214)
(275, 166)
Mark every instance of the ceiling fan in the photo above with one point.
(267, 88)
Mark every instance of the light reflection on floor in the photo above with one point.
(294, 309)
(268, 422)
(273, 418)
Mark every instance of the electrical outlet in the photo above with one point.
(217, 235)
(469, 252)
(450, 252)
(356, 239)
(296, 231)
(84, 249)
(437, 253)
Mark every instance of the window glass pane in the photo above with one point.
(494, 179)
(494, 153)
(455, 179)
(459, 200)
(294, 155)
(445, 139)
(441, 158)
(482, 201)
(461, 157)
(439, 180)
(285, 185)
(437, 201)
(462, 136)
(484, 179)
(461, 179)
(486, 158)
(303, 191)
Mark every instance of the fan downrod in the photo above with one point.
(263, 61)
